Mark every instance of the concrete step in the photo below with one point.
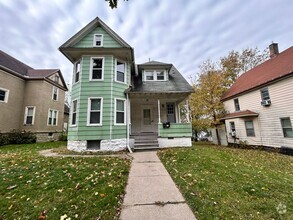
(146, 141)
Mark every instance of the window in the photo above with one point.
(29, 115)
(287, 127)
(232, 126)
(265, 94)
(73, 114)
(55, 93)
(52, 117)
(120, 71)
(236, 104)
(56, 78)
(120, 111)
(94, 111)
(155, 75)
(98, 40)
(97, 69)
(76, 71)
(249, 128)
(4, 95)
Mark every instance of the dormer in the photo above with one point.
(154, 71)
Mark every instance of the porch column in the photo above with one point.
(187, 111)
(159, 111)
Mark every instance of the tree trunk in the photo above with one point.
(218, 137)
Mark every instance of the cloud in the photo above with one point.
(185, 33)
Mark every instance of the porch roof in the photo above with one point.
(240, 114)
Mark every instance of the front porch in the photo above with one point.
(159, 120)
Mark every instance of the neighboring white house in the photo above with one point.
(260, 103)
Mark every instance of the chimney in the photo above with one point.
(274, 50)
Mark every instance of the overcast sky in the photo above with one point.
(182, 32)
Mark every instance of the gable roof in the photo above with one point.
(269, 71)
(13, 64)
(18, 68)
(176, 84)
(88, 28)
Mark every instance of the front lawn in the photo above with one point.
(81, 188)
(225, 183)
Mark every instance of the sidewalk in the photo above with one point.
(151, 193)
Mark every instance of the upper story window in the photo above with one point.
(76, 71)
(120, 72)
(74, 112)
(265, 97)
(98, 40)
(155, 75)
(97, 68)
(52, 117)
(95, 111)
(55, 93)
(4, 95)
(56, 78)
(120, 111)
(249, 128)
(29, 115)
(236, 104)
(287, 127)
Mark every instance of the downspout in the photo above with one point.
(111, 97)
(127, 123)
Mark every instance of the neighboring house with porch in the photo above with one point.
(31, 99)
(260, 103)
(117, 104)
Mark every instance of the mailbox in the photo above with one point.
(166, 124)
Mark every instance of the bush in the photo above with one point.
(18, 137)
(63, 137)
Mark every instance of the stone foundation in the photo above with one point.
(175, 142)
(47, 136)
(106, 145)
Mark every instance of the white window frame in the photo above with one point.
(238, 104)
(115, 109)
(155, 72)
(246, 128)
(56, 79)
(57, 95)
(75, 71)
(89, 110)
(26, 114)
(125, 71)
(57, 113)
(91, 68)
(72, 112)
(6, 95)
(287, 118)
(102, 40)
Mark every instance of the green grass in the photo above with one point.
(63, 150)
(81, 188)
(225, 183)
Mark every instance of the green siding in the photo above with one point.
(87, 41)
(85, 89)
(176, 130)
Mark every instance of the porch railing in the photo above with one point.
(176, 130)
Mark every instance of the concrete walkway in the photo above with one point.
(151, 193)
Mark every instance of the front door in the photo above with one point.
(171, 112)
(146, 123)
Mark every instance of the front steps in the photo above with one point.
(145, 141)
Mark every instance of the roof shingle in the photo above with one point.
(270, 70)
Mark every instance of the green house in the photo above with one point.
(117, 104)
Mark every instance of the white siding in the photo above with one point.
(267, 126)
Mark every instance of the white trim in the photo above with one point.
(6, 95)
(111, 99)
(89, 109)
(57, 95)
(91, 69)
(74, 71)
(94, 40)
(52, 122)
(71, 113)
(26, 114)
(115, 106)
(155, 72)
(125, 71)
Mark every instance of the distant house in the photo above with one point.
(31, 99)
(260, 103)
(117, 104)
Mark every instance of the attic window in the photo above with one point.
(98, 40)
(155, 75)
